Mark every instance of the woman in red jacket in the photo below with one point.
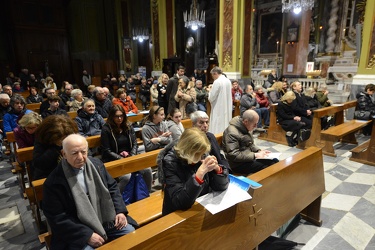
(124, 101)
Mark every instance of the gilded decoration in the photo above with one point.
(228, 34)
(371, 56)
(227, 63)
(155, 38)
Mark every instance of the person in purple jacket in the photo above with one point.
(24, 133)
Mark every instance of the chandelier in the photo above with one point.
(194, 19)
(140, 34)
(297, 5)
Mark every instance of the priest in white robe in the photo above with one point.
(220, 97)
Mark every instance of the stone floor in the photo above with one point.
(348, 206)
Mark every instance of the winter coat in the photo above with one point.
(201, 95)
(176, 130)
(262, 100)
(103, 107)
(46, 157)
(365, 102)
(89, 124)
(151, 130)
(238, 144)
(300, 105)
(127, 105)
(109, 144)
(322, 98)
(60, 208)
(181, 188)
(312, 102)
(274, 96)
(23, 138)
(189, 96)
(34, 99)
(58, 111)
(247, 101)
(10, 120)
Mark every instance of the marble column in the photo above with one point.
(366, 67)
(296, 53)
(163, 34)
(234, 29)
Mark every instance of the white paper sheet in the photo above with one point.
(218, 201)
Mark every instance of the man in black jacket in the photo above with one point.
(102, 103)
(200, 120)
(82, 202)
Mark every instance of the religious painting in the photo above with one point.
(269, 32)
(292, 35)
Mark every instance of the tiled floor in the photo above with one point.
(348, 207)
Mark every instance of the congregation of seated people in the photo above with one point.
(190, 163)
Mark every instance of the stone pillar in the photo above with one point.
(295, 54)
(163, 34)
(366, 67)
(234, 29)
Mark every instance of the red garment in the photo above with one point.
(234, 92)
(128, 105)
(262, 100)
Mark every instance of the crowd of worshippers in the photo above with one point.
(190, 163)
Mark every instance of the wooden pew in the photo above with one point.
(275, 133)
(25, 156)
(121, 167)
(17, 168)
(344, 132)
(322, 139)
(294, 185)
(72, 114)
(365, 152)
(34, 107)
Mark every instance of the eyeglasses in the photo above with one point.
(119, 116)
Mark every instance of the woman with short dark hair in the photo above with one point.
(48, 138)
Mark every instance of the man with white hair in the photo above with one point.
(200, 120)
(102, 102)
(82, 202)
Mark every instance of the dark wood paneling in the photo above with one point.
(38, 34)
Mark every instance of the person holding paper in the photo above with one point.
(187, 172)
(239, 146)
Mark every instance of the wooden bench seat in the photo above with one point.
(344, 132)
(365, 152)
(275, 133)
(143, 211)
(294, 185)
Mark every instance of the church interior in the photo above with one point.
(327, 42)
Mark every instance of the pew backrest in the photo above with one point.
(293, 185)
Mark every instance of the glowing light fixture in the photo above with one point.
(140, 34)
(297, 5)
(194, 19)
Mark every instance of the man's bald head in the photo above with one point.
(75, 149)
(250, 119)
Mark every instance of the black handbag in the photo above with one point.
(191, 107)
(362, 115)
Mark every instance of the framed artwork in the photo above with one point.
(269, 32)
(292, 34)
(309, 66)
